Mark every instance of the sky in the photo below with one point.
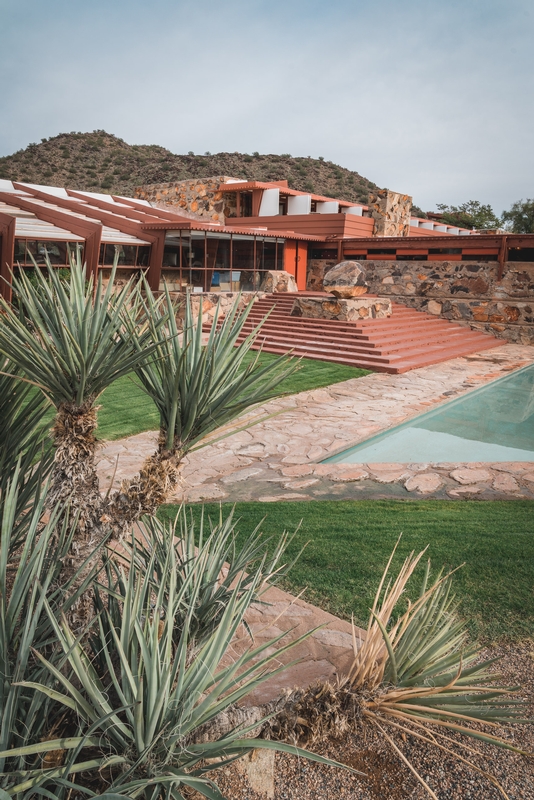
(434, 99)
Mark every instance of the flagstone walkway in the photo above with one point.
(273, 452)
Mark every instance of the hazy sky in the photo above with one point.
(435, 99)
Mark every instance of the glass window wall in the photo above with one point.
(221, 262)
(128, 255)
(29, 250)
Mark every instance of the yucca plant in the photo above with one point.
(29, 571)
(73, 339)
(67, 339)
(209, 565)
(25, 454)
(198, 384)
(414, 673)
(147, 710)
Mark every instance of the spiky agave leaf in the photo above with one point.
(144, 698)
(25, 454)
(25, 577)
(415, 668)
(210, 554)
(66, 338)
(199, 385)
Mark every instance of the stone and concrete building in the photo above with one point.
(221, 235)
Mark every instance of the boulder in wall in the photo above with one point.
(346, 279)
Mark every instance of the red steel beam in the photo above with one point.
(7, 252)
(90, 231)
(112, 220)
(105, 205)
(161, 213)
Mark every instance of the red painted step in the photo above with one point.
(406, 340)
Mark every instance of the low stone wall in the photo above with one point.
(344, 309)
(278, 280)
(467, 292)
(210, 300)
(122, 276)
(317, 267)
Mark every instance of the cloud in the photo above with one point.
(424, 97)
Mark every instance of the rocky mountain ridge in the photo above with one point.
(101, 162)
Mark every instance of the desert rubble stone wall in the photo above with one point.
(210, 301)
(391, 213)
(200, 197)
(467, 292)
(317, 267)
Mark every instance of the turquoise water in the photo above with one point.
(494, 423)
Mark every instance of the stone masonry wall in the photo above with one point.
(200, 198)
(467, 292)
(210, 301)
(316, 270)
(391, 213)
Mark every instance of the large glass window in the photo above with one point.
(205, 261)
(28, 249)
(171, 254)
(143, 256)
(128, 255)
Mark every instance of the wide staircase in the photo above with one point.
(404, 341)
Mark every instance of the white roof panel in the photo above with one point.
(33, 228)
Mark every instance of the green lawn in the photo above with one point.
(349, 544)
(127, 410)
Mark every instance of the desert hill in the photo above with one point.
(101, 162)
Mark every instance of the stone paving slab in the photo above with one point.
(273, 452)
(325, 655)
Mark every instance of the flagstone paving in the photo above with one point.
(273, 452)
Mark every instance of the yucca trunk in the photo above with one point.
(311, 716)
(74, 478)
(75, 481)
(149, 489)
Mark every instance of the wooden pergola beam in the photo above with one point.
(112, 220)
(7, 253)
(90, 231)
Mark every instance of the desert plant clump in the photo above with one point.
(73, 340)
(116, 629)
(413, 673)
(114, 705)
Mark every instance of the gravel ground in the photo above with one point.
(387, 778)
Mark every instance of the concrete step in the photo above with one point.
(390, 346)
(406, 340)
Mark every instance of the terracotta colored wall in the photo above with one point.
(301, 264)
(311, 224)
(290, 257)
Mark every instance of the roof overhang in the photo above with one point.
(244, 186)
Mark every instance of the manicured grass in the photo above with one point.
(127, 410)
(349, 544)
(311, 374)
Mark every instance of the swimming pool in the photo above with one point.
(493, 423)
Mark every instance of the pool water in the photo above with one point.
(493, 423)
